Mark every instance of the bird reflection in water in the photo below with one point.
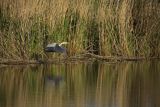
(54, 81)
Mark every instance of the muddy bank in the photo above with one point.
(45, 61)
(83, 58)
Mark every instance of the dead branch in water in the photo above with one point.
(118, 58)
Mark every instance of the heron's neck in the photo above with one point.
(63, 43)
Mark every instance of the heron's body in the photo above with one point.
(55, 47)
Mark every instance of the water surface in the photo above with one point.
(81, 84)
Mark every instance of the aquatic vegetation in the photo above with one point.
(103, 27)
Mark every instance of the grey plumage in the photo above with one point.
(55, 47)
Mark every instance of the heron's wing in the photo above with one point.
(60, 49)
(52, 45)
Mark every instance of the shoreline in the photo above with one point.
(87, 57)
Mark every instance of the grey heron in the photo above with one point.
(55, 47)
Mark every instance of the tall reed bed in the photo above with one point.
(104, 27)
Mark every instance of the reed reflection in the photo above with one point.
(92, 84)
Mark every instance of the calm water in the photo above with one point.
(90, 84)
